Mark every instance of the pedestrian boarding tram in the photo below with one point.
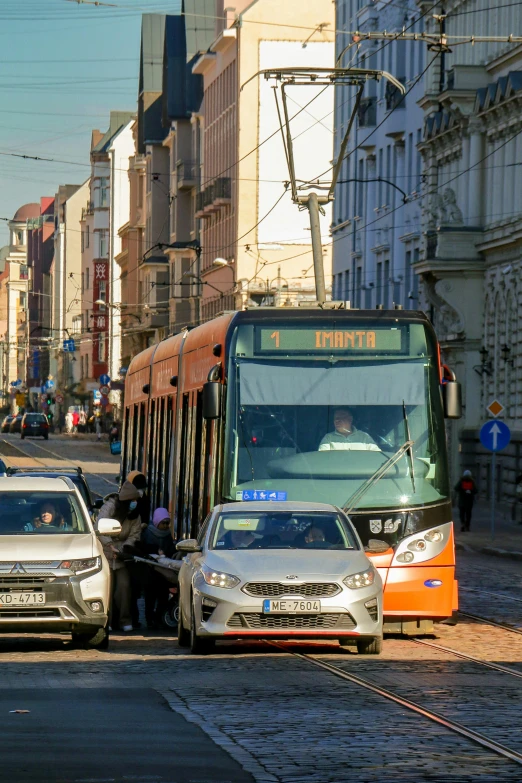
(248, 406)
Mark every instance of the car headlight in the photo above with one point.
(218, 579)
(82, 566)
(362, 579)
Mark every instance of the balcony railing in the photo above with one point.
(222, 190)
(186, 171)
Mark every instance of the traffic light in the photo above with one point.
(49, 400)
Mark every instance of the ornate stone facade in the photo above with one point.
(471, 259)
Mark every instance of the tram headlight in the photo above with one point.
(434, 536)
(218, 579)
(419, 545)
(405, 557)
(362, 579)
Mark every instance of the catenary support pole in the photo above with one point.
(317, 248)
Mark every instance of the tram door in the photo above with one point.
(193, 471)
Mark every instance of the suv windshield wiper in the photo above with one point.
(352, 501)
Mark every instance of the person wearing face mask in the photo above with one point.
(121, 506)
(139, 572)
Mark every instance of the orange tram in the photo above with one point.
(242, 408)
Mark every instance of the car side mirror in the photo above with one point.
(108, 527)
(452, 399)
(98, 503)
(188, 545)
(376, 547)
(212, 392)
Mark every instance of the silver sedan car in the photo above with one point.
(280, 570)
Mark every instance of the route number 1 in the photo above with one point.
(275, 336)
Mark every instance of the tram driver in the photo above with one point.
(346, 436)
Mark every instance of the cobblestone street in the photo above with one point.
(267, 714)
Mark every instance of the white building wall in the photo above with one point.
(121, 149)
(376, 237)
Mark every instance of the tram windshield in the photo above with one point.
(315, 412)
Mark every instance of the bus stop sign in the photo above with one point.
(495, 435)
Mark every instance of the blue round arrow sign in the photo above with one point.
(495, 435)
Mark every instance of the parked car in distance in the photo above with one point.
(76, 475)
(7, 422)
(34, 425)
(285, 570)
(16, 424)
(60, 580)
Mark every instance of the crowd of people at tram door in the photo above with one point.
(131, 579)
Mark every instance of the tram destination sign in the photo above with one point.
(310, 339)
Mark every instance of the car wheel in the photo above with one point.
(170, 618)
(22, 437)
(369, 646)
(183, 633)
(93, 640)
(346, 641)
(46, 437)
(198, 645)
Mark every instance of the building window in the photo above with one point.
(87, 278)
(87, 236)
(19, 237)
(24, 273)
(102, 293)
(347, 286)
(102, 340)
(83, 281)
(103, 244)
(104, 192)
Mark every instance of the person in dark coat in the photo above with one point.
(466, 489)
(138, 572)
(157, 540)
(120, 506)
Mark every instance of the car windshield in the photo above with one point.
(37, 513)
(34, 417)
(282, 530)
(311, 417)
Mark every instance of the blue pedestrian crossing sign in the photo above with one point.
(495, 435)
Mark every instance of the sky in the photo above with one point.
(63, 67)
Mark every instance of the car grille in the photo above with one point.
(13, 581)
(306, 590)
(28, 613)
(290, 621)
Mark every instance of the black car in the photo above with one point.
(34, 425)
(7, 422)
(16, 424)
(75, 474)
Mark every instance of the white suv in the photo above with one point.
(53, 574)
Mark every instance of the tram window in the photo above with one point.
(182, 467)
(170, 449)
(197, 462)
(135, 437)
(160, 451)
(150, 454)
(125, 436)
(141, 438)
(207, 455)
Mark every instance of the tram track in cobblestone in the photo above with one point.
(490, 665)
(488, 621)
(8, 449)
(457, 728)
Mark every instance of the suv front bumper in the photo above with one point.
(64, 609)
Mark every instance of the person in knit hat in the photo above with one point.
(120, 506)
(157, 540)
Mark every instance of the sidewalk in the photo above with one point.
(507, 541)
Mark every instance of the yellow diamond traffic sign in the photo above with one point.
(495, 408)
